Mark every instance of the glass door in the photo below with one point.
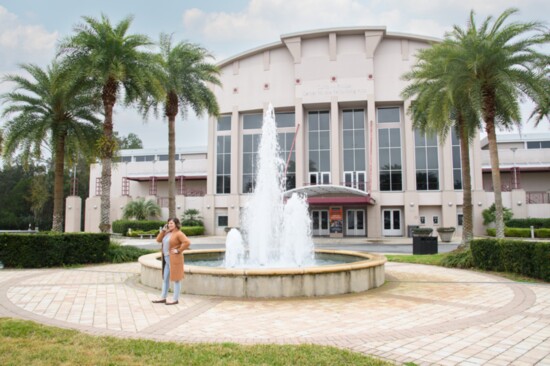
(319, 222)
(392, 222)
(355, 222)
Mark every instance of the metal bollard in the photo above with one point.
(532, 232)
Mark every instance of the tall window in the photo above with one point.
(252, 129)
(223, 155)
(319, 147)
(427, 168)
(223, 164)
(389, 153)
(457, 163)
(353, 131)
(285, 140)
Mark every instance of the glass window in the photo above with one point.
(319, 143)
(165, 157)
(252, 121)
(353, 146)
(284, 119)
(460, 219)
(285, 144)
(427, 165)
(389, 155)
(223, 164)
(389, 115)
(125, 159)
(457, 162)
(435, 220)
(224, 123)
(250, 156)
(145, 158)
(223, 221)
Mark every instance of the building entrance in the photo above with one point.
(392, 222)
(319, 223)
(355, 222)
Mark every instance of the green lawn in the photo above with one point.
(28, 343)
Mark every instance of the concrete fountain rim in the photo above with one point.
(370, 260)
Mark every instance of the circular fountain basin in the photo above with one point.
(363, 271)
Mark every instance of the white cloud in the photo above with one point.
(264, 21)
(20, 43)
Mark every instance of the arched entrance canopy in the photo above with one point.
(329, 194)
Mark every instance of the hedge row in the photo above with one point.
(523, 257)
(51, 250)
(122, 226)
(537, 223)
(514, 232)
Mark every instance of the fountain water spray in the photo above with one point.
(273, 234)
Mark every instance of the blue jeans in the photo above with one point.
(166, 282)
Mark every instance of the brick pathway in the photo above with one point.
(423, 314)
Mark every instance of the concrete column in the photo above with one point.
(92, 214)
(519, 205)
(73, 214)
(334, 142)
(299, 147)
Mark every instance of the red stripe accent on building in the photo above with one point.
(365, 200)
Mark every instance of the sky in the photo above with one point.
(30, 31)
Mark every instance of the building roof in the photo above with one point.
(323, 32)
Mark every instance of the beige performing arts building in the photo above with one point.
(345, 137)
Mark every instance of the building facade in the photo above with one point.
(346, 139)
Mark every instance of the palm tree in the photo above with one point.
(50, 108)
(141, 209)
(113, 60)
(501, 64)
(440, 105)
(187, 75)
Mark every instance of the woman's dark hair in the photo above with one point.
(176, 221)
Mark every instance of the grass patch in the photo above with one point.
(456, 259)
(25, 342)
(431, 259)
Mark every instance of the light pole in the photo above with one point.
(515, 185)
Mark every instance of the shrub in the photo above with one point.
(458, 259)
(513, 232)
(489, 214)
(192, 230)
(141, 209)
(537, 223)
(122, 254)
(522, 257)
(122, 226)
(52, 249)
(191, 217)
(422, 231)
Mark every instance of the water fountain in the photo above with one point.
(275, 234)
(274, 255)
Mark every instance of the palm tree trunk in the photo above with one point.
(106, 152)
(467, 207)
(171, 112)
(489, 118)
(57, 221)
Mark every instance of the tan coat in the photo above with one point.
(179, 241)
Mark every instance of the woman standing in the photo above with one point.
(173, 242)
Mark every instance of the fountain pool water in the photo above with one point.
(274, 254)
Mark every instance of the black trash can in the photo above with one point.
(424, 244)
